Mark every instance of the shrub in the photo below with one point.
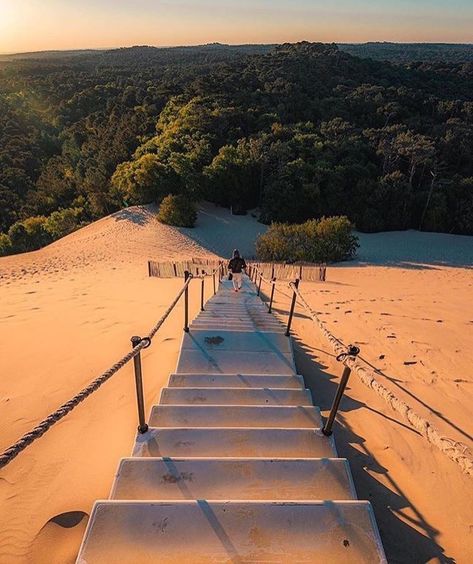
(29, 234)
(317, 240)
(178, 211)
(6, 247)
(63, 222)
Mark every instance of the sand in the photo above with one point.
(69, 310)
(415, 325)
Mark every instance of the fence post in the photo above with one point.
(142, 427)
(259, 285)
(273, 284)
(186, 303)
(293, 305)
(327, 429)
(202, 291)
(213, 280)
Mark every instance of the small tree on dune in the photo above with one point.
(178, 211)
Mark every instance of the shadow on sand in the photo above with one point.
(139, 215)
(403, 543)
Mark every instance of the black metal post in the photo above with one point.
(202, 291)
(291, 312)
(273, 284)
(142, 427)
(327, 429)
(213, 279)
(186, 303)
(259, 285)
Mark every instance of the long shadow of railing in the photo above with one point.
(403, 543)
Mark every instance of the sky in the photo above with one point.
(33, 25)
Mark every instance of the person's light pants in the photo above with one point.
(237, 280)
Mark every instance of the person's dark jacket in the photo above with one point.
(237, 265)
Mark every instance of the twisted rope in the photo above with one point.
(455, 450)
(270, 282)
(28, 438)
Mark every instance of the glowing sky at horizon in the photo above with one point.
(32, 25)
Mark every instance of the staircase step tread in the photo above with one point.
(235, 381)
(237, 479)
(227, 361)
(235, 396)
(235, 416)
(234, 442)
(199, 532)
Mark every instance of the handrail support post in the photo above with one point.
(273, 284)
(293, 305)
(327, 429)
(142, 427)
(202, 292)
(259, 285)
(352, 353)
(186, 302)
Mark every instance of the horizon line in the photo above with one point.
(178, 46)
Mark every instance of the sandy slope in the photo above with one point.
(68, 311)
(423, 317)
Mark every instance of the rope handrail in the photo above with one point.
(455, 450)
(272, 282)
(28, 438)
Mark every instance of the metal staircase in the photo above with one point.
(234, 467)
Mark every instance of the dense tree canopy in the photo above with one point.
(299, 131)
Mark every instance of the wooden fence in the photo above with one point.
(196, 267)
(307, 271)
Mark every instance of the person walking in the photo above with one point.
(236, 266)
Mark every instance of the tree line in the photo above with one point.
(299, 131)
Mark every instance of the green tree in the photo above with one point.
(177, 210)
(6, 247)
(29, 234)
(145, 180)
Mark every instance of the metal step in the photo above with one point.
(233, 479)
(234, 442)
(235, 416)
(199, 532)
(234, 396)
(234, 381)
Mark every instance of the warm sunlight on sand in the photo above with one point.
(92, 288)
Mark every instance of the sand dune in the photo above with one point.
(69, 310)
